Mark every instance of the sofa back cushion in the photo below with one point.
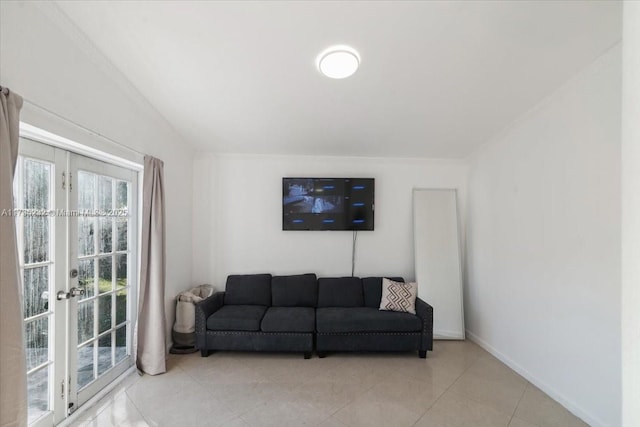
(248, 289)
(294, 291)
(372, 287)
(340, 292)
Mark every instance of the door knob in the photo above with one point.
(73, 292)
(76, 292)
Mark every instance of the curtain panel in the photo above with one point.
(151, 340)
(13, 376)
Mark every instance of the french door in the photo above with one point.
(77, 228)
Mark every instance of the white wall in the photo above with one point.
(544, 240)
(238, 216)
(50, 64)
(631, 217)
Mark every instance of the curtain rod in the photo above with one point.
(79, 126)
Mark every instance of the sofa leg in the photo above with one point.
(422, 354)
(204, 353)
(307, 355)
(322, 354)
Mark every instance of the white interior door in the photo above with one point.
(437, 259)
(77, 230)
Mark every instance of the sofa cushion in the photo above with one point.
(365, 319)
(372, 288)
(237, 318)
(248, 289)
(294, 291)
(289, 319)
(399, 296)
(340, 292)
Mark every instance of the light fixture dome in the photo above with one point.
(338, 62)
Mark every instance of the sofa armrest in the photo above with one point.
(425, 313)
(204, 309)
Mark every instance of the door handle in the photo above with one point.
(76, 292)
(73, 292)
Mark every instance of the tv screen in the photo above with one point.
(328, 203)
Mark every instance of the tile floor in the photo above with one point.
(459, 384)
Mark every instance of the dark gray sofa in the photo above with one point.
(287, 313)
(348, 318)
(259, 312)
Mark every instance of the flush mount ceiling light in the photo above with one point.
(338, 62)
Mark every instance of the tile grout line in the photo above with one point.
(142, 414)
(195, 380)
(518, 404)
(144, 417)
(484, 403)
(447, 389)
(310, 381)
(349, 402)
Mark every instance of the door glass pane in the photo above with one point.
(121, 306)
(85, 364)
(104, 313)
(121, 343)
(36, 238)
(106, 233)
(36, 291)
(104, 353)
(86, 190)
(38, 393)
(36, 184)
(37, 342)
(85, 321)
(86, 243)
(121, 243)
(121, 271)
(104, 274)
(122, 190)
(105, 193)
(86, 277)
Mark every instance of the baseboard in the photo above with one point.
(448, 335)
(550, 391)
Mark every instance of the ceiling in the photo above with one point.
(437, 79)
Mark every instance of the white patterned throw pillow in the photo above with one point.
(399, 296)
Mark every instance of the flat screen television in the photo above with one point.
(328, 203)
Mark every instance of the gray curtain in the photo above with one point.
(13, 377)
(151, 343)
